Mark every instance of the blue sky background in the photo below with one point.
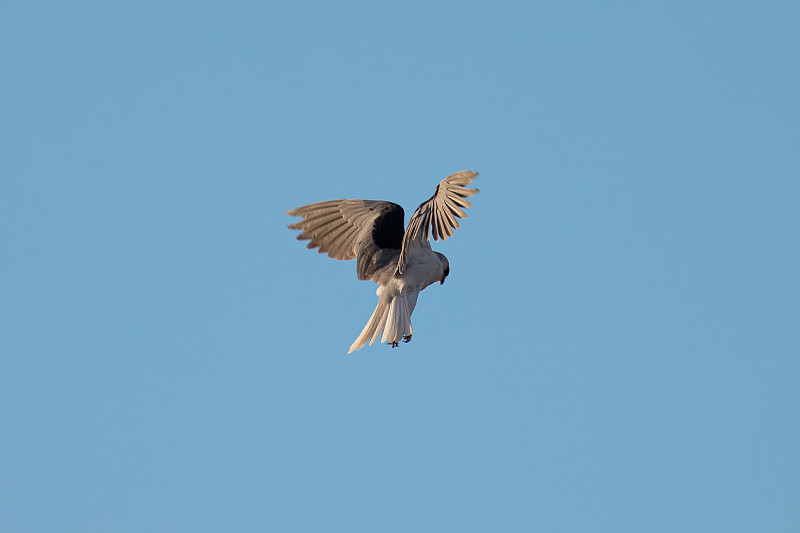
(616, 348)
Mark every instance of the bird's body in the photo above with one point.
(401, 262)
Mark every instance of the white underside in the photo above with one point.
(397, 298)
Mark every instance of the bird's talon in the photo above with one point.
(407, 338)
(394, 344)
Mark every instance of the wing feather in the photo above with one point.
(437, 216)
(328, 239)
(370, 230)
(341, 239)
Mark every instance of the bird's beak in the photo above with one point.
(441, 281)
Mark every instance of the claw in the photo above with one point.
(407, 338)
(394, 344)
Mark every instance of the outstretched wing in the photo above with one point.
(438, 215)
(370, 230)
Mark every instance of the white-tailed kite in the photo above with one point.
(400, 262)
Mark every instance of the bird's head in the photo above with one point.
(445, 267)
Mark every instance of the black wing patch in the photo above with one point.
(383, 248)
(388, 228)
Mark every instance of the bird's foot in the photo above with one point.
(394, 344)
(407, 338)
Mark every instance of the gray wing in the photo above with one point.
(437, 216)
(369, 230)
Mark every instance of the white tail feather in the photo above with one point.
(371, 329)
(379, 329)
(390, 320)
(391, 317)
(398, 323)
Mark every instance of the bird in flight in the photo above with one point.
(401, 262)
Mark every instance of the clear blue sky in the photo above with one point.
(617, 347)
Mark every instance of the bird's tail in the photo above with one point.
(392, 316)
